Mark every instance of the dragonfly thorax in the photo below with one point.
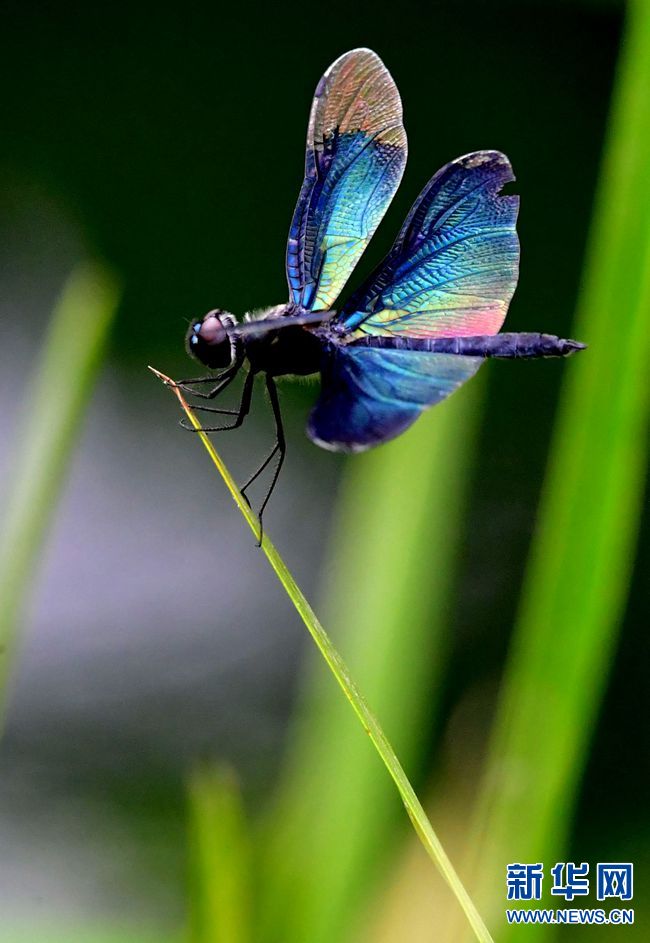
(290, 351)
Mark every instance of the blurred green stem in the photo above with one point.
(582, 555)
(220, 892)
(58, 398)
(338, 668)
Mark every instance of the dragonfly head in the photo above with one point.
(210, 341)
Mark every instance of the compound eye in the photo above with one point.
(211, 330)
(208, 339)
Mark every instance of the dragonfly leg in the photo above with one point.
(221, 382)
(280, 448)
(256, 474)
(241, 413)
(215, 409)
(194, 381)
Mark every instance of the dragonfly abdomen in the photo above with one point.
(507, 345)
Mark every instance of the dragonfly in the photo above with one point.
(420, 325)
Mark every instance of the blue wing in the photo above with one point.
(356, 152)
(453, 268)
(370, 395)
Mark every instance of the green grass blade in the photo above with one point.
(581, 560)
(340, 671)
(387, 598)
(220, 896)
(60, 393)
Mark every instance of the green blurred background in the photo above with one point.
(168, 141)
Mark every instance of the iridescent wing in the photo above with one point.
(370, 395)
(356, 152)
(453, 268)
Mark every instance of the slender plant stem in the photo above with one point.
(320, 879)
(337, 666)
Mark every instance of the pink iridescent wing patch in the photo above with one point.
(453, 269)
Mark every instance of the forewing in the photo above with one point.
(453, 268)
(356, 152)
(370, 395)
